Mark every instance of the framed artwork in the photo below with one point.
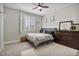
(52, 18)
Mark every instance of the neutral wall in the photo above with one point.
(1, 26)
(69, 13)
(11, 25)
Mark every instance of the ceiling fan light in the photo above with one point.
(39, 8)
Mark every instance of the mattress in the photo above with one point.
(37, 38)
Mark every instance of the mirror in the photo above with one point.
(65, 25)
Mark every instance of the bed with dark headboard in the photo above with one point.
(51, 31)
(48, 30)
(45, 36)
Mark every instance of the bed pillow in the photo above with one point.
(49, 32)
(42, 30)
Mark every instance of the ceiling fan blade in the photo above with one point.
(44, 6)
(35, 8)
(35, 4)
(40, 6)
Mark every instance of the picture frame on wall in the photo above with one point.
(46, 20)
(52, 18)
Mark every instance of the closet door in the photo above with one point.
(11, 33)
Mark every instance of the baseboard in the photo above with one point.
(11, 42)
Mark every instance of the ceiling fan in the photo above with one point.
(39, 6)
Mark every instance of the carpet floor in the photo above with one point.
(25, 49)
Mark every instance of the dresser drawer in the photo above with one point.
(66, 34)
(70, 39)
(65, 43)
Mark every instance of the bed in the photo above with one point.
(38, 39)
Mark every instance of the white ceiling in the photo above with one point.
(53, 7)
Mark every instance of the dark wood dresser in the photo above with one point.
(68, 38)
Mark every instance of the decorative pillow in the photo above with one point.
(49, 32)
(42, 30)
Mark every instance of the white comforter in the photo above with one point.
(37, 38)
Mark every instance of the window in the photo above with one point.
(29, 23)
